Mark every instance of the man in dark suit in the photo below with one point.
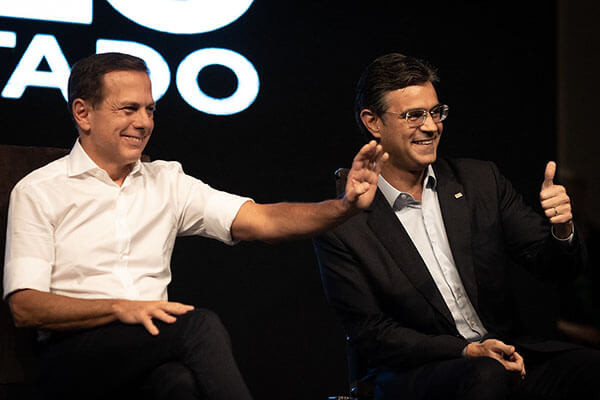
(419, 279)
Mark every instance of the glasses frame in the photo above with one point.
(442, 108)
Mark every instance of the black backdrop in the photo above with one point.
(497, 66)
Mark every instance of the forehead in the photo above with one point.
(125, 84)
(411, 97)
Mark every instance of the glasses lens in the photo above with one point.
(416, 117)
(439, 112)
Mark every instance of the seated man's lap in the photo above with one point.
(110, 358)
(462, 378)
(568, 374)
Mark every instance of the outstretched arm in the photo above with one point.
(282, 221)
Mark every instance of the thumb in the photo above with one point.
(549, 174)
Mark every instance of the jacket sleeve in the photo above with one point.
(528, 237)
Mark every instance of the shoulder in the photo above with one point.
(464, 166)
(162, 167)
(51, 175)
(163, 170)
(467, 170)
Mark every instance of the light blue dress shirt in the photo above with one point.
(424, 224)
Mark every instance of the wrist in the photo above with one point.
(563, 231)
(348, 207)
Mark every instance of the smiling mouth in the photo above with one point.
(135, 139)
(424, 142)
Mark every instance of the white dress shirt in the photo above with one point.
(74, 232)
(424, 224)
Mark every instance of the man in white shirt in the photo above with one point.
(420, 278)
(90, 237)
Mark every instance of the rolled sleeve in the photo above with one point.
(29, 243)
(221, 209)
(26, 273)
(205, 211)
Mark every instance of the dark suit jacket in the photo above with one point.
(381, 290)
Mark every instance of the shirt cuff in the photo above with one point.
(566, 241)
(26, 273)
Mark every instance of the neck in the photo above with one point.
(405, 180)
(118, 173)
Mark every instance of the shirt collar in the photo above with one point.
(393, 195)
(79, 162)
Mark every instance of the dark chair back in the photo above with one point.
(357, 368)
(17, 355)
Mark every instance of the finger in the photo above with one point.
(163, 316)
(508, 365)
(149, 325)
(501, 348)
(562, 219)
(520, 362)
(381, 160)
(366, 152)
(549, 174)
(553, 197)
(176, 308)
(357, 189)
(557, 210)
(513, 366)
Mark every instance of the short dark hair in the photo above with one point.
(387, 73)
(87, 75)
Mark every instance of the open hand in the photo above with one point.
(362, 177)
(556, 203)
(142, 312)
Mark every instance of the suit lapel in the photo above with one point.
(455, 213)
(387, 228)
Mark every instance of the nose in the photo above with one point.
(143, 120)
(429, 126)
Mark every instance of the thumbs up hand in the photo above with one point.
(556, 203)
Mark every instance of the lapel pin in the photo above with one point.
(458, 195)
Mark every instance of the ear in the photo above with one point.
(372, 122)
(81, 114)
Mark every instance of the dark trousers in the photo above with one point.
(569, 374)
(190, 359)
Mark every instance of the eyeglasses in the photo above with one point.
(416, 118)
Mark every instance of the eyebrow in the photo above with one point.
(136, 105)
(421, 108)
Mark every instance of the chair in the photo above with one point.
(18, 367)
(359, 389)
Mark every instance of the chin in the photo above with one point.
(425, 161)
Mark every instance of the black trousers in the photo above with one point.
(190, 359)
(568, 374)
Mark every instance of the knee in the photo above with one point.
(486, 379)
(207, 320)
(205, 324)
(486, 369)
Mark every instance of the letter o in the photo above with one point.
(182, 17)
(242, 98)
